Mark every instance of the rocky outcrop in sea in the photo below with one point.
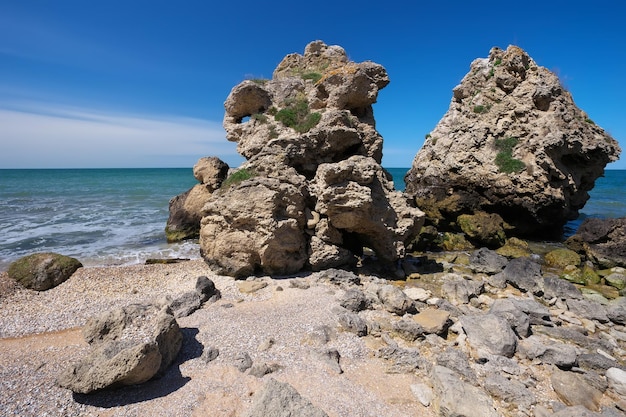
(513, 143)
(312, 193)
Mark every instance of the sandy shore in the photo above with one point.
(40, 335)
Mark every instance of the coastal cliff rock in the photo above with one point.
(186, 209)
(513, 143)
(312, 193)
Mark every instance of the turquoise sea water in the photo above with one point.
(118, 216)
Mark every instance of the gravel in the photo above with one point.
(40, 334)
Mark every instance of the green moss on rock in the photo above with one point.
(42, 271)
(560, 258)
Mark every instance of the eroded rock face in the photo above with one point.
(312, 192)
(514, 143)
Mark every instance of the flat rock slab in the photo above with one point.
(248, 287)
(433, 321)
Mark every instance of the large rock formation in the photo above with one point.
(514, 143)
(312, 192)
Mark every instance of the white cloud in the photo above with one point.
(47, 136)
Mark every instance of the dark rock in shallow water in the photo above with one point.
(602, 240)
(279, 399)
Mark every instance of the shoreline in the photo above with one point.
(298, 317)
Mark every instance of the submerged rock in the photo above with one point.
(514, 143)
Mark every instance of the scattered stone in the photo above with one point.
(602, 240)
(595, 362)
(483, 229)
(453, 397)
(489, 333)
(433, 321)
(261, 369)
(510, 391)
(210, 354)
(338, 277)
(319, 336)
(559, 288)
(242, 361)
(588, 309)
(458, 362)
(616, 311)
(206, 289)
(560, 258)
(129, 346)
(279, 399)
(354, 300)
(573, 390)
(331, 357)
(617, 380)
(42, 271)
(517, 319)
(616, 280)
(418, 294)
(266, 344)
(549, 351)
(299, 283)
(401, 360)
(249, 287)
(524, 274)
(423, 393)
(514, 248)
(408, 329)
(487, 261)
(498, 364)
(459, 290)
(185, 304)
(352, 322)
(395, 300)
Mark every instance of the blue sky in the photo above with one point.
(142, 83)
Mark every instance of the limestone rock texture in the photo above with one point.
(185, 210)
(512, 142)
(311, 193)
(129, 346)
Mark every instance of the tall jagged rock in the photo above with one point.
(312, 192)
(514, 143)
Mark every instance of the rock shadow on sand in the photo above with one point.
(169, 382)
